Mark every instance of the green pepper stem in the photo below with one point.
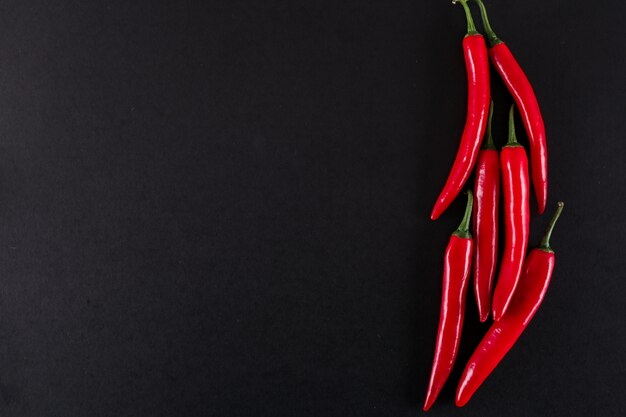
(463, 229)
(512, 136)
(491, 36)
(488, 143)
(545, 241)
(471, 28)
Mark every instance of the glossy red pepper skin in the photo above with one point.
(503, 334)
(485, 227)
(515, 187)
(477, 66)
(522, 91)
(457, 266)
(524, 96)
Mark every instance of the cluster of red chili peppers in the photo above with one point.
(522, 280)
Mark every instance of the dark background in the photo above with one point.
(221, 208)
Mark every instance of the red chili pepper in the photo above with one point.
(503, 334)
(477, 66)
(485, 221)
(514, 165)
(521, 90)
(457, 265)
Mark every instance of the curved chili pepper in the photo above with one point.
(485, 221)
(503, 334)
(477, 66)
(457, 264)
(522, 91)
(514, 165)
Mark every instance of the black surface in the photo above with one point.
(221, 208)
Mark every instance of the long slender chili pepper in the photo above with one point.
(485, 221)
(477, 66)
(514, 165)
(503, 334)
(457, 265)
(524, 95)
